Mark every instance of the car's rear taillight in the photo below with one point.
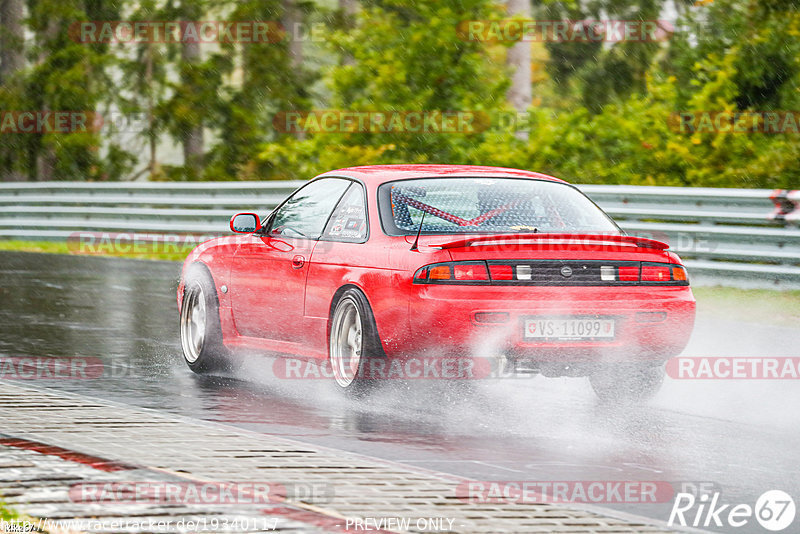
(552, 272)
(470, 271)
(453, 273)
(679, 273)
(440, 272)
(664, 273)
(656, 273)
(628, 273)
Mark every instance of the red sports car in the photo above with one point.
(397, 262)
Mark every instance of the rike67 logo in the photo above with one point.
(774, 511)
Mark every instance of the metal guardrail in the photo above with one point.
(730, 235)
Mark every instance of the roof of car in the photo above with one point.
(385, 173)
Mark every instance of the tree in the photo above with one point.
(292, 20)
(11, 39)
(192, 134)
(12, 60)
(271, 77)
(191, 103)
(69, 75)
(347, 12)
(144, 75)
(595, 72)
(519, 60)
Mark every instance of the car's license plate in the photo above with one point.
(568, 329)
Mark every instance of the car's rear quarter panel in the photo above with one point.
(379, 268)
(216, 256)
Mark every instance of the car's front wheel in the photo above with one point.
(627, 383)
(353, 342)
(200, 329)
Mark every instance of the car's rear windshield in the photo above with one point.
(487, 205)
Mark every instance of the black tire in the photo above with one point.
(351, 316)
(627, 383)
(202, 348)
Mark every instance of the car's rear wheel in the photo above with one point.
(627, 383)
(200, 329)
(353, 341)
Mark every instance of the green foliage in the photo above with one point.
(602, 112)
(270, 83)
(731, 56)
(633, 142)
(406, 57)
(595, 72)
(605, 115)
(69, 76)
(6, 514)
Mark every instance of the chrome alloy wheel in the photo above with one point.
(193, 323)
(346, 342)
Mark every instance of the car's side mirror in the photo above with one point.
(245, 223)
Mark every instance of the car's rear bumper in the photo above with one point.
(650, 322)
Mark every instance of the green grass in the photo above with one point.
(750, 305)
(140, 251)
(21, 521)
(6, 514)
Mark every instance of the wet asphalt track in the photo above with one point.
(740, 436)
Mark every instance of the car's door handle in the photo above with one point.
(298, 262)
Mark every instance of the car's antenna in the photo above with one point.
(419, 230)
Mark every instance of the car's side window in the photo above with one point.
(349, 220)
(304, 215)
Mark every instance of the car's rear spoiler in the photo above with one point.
(557, 237)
